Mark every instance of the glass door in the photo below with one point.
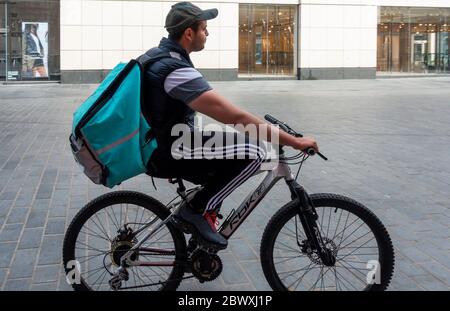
(14, 50)
(280, 40)
(266, 40)
(443, 44)
(2, 41)
(413, 40)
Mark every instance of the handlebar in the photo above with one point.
(285, 127)
(282, 125)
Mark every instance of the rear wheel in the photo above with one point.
(351, 232)
(93, 247)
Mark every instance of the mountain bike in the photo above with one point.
(126, 240)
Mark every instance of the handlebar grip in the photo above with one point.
(311, 152)
(271, 119)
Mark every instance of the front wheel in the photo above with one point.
(352, 233)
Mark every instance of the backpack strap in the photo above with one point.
(152, 56)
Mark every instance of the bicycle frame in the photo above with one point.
(234, 220)
(306, 209)
(236, 217)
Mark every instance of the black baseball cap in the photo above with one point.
(183, 14)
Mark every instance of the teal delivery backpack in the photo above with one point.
(111, 138)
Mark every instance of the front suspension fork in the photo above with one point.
(308, 217)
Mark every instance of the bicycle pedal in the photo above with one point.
(212, 250)
(208, 247)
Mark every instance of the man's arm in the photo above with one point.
(217, 107)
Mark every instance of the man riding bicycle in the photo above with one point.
(176, 90)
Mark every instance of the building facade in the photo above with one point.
(79, 41)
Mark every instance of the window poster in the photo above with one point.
(34, 50)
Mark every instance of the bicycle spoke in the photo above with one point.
(336, 279)
(321, 222)
(121, 214)
(295, 271)
(95, 235)
(345, 228)
(142, 216)
(346, 268)
(89, 258)
(289, 235)
(100, 226)
(354, 268)
(348, 282)
(358, 247)
(337, 226)
(285, 260)
(114, 219)
(346, 255)
(293, 249)
(314, 285)
(287, 250)
(301, 278)
(329, 221)
(342, 240)
(119, 223)
(92, 248)
(92, 270)
(303, 269)
(135, 220)
(355, 261)
(321, 275)
(101, 281)
(358, 239)
(142, 281)
(133, 273)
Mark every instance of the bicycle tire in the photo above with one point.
(125, 197)
(290, 210)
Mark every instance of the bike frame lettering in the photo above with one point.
(252, 200)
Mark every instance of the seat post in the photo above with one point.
(181, 187)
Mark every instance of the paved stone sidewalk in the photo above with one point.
(388, 142)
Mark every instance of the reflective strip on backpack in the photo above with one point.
(118, 142)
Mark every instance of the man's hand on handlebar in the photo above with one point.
(305, 143)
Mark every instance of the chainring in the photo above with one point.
(204, 266)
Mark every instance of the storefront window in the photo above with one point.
(266, 39)
(2, 42)
(413, 40)
(29, 40)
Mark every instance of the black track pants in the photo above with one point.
(221, 168)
